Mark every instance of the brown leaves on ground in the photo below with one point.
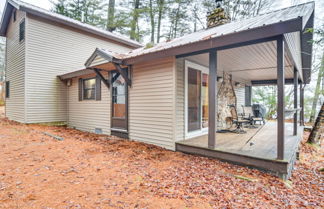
(94, 171)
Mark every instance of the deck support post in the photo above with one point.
(281, 98)
(212, 99)
(295, 101)
(301, 103)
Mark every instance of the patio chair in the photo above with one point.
(249, 115)
(238, 121)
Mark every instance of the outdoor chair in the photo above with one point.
(238, 121)
(249, 115)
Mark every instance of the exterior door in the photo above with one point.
(119, 108)
(196, 99)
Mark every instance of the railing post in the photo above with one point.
(281, 98)
(295, 100)
(212, 99)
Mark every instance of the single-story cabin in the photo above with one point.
(178, 94)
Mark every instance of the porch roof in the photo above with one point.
(290, 21)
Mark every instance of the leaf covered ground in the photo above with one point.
(90, 171)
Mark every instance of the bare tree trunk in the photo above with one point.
(160, 13)
(175, 27)
(133, 34)
(111, 16)
(152, 21)
(317, 133)
(317, 90)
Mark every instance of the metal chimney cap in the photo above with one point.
(218, 3)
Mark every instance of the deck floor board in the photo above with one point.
(260, 142)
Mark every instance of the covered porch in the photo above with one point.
(257, 148)
(250, 58)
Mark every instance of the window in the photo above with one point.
(22, 30)
(7, 89)
(89, 88)
(119, 87)
(14, 14)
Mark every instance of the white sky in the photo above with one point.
(46, 4)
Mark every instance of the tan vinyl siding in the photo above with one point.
(151, 103)
(87, 115)
(98, 60)
(15, 71)
(180, 100)
(51, 50)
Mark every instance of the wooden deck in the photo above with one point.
(257, 148)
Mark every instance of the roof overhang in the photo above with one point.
(99, 60)
(106, 57)
(76, 74)
(307, 49)
(6, 17)
(222, 42)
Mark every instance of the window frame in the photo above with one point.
(203, 70)
(22, 30)
(94, 88)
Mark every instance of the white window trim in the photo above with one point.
(202, 131)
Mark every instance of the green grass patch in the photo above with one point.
(245, 178)
(60, 123)
(316, 146)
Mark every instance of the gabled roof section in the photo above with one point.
(300, 14)
(42, 13)
(105, 55)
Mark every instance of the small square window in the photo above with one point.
(89, 89)
(22, 30)
(7, 89)
(14, 14)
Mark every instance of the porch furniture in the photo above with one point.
(238, 121)
(249, 115)
(259, 112)
(290, 112)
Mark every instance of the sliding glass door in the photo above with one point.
(196, 99)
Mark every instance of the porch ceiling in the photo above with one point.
(249, 63)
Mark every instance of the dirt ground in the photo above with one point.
(91, 171)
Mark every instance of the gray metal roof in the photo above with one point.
(40, 12)
(279, 22)
(303, 11)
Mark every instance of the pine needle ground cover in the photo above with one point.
(94, 171)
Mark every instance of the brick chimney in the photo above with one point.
(218, 16)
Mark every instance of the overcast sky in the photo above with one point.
(46, 4)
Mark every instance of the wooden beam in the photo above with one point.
(295, 100)
(212, 99)
(288, 81)
(123, 74)
(105, 81)
(281, 98)
(301, 103)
